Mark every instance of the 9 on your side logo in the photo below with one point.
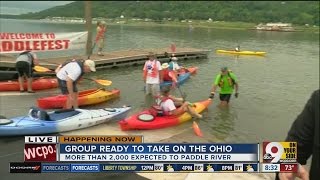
(279, 152)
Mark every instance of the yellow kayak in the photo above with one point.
(258, 53)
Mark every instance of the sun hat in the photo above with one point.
(165, 65)
(90, 64)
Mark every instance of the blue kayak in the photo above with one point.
(182, 78)
(39, 121)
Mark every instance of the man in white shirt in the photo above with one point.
(152, 75)
(68, 75)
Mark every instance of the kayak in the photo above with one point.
(87, 97)
(37, 84)
(258, 53)
(148, 119)
(39, 121)
(11, 75)
(182, 77)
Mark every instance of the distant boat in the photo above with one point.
(278, 27)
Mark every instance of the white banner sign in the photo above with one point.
(19, 42)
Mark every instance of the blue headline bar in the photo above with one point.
(158, 148)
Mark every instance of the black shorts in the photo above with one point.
(225, 97)
(63, 86)
(24, 68)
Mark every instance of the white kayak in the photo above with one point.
(39, 121)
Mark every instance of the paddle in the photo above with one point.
(195, 126)
(41, 69)
(99, 81)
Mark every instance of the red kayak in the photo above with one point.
(148, 119)
(37, 84)
(87, 97)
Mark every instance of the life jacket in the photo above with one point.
(100, 33)
(231, 81)
(156, 110)
(166, 76)
(80, 62)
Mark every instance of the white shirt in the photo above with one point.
(168, 105)
(175, 66)
(71, 70)
(152, 68)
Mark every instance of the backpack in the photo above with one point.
(80, 63)
(232, 82)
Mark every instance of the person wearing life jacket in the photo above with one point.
(169, 75)
(227, 81)
(24, 65)
(168, 104)
(68, 75)
(237, 49)
(173, 65)
(100, 37)
(152, 75)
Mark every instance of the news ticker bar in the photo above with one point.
(37, 167)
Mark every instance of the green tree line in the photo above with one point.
(296, 12)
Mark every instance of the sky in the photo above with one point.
(20, 7)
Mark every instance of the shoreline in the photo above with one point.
(191, 24)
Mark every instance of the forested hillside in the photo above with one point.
(296, 12)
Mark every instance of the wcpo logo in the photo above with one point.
(25, 167)
(278, 152)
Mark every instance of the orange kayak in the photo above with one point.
(148, 119)
(87, 97)
(37, 84)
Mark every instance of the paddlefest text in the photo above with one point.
(46, 41)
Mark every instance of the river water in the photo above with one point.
(273, 89)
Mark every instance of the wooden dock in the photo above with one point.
(116, 58)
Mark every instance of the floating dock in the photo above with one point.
(116, 58)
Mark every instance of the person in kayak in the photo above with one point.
(173, 65)
(100, 37)
(237, 49)
(168, 104)
(68, 75)
(305, 131)
(152, 75)
(24, 65)
(169, 75)
(226, 80)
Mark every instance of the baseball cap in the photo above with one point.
(165, 89)
(91, 65)
(175, 59)
(224, 68)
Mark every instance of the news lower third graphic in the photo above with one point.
(82, 154)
